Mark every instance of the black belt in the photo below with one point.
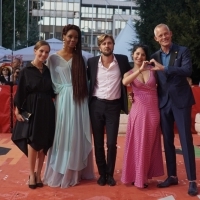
(106, 100)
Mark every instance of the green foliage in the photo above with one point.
(20, 25)
(182, 16)
(7, 24)
(33, 31)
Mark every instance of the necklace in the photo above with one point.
(40, 68)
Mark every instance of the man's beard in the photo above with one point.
(107, 53)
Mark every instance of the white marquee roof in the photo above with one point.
(27, 54)
(125, 39)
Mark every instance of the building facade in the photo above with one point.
(94, 17)
(104, 16)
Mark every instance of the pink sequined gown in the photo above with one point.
(142, 153)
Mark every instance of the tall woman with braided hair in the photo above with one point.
(70, 158)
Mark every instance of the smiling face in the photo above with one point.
(139, 56)
(71, 38)
(163, 36)
(42, 53)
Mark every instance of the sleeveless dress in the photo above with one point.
(142, 154)
(70, 158)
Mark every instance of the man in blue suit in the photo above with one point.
(173, 65)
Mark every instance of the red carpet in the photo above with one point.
(14, 179)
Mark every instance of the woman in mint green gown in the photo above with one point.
(70, 158)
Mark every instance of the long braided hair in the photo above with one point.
(78, 71)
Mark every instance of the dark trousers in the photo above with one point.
(105, 115)
(182, 117)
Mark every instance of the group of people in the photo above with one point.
(65, 112)
(9, 75)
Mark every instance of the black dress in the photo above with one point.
(35, 94)
(4, 81)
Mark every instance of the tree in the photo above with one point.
(20, 25)
(7, 24)
(182, 16)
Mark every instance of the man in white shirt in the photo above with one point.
(107, 97)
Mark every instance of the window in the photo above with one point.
(76, 6)
(99, 25)
(71, 7)
(58, 35)
(70, 21)
(58, 21)
(127, 12)
(76, 22)
(64, 21)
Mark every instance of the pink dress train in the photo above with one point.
(142, 153)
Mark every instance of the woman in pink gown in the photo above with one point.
(142, 154)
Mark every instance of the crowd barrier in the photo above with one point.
(7, 117)
(195, 107)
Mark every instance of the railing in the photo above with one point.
(7, 118)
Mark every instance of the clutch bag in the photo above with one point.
(26, 115)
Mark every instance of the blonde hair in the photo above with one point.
(159, 26)
(101, 38)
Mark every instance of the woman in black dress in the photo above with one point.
(34, 95)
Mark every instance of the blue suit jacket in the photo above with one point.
(92, 74)
(172, 82)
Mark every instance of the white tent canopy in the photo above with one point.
(27, 54)
(5, 51)
(125, 39)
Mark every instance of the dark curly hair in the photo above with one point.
(78, 71)
(145, 49)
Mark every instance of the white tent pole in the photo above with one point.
(14, 27)
(27, 22)
(91, 32)
(54, 19)
(106, 20)
(40, 21)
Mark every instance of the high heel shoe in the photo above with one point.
(38, 184)
(145, 185)
(31, 186)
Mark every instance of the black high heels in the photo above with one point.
(38, 184)
(32, 186)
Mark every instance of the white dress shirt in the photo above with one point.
(108, 81)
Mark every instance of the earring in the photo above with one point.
(75, 48)
(63, 43)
